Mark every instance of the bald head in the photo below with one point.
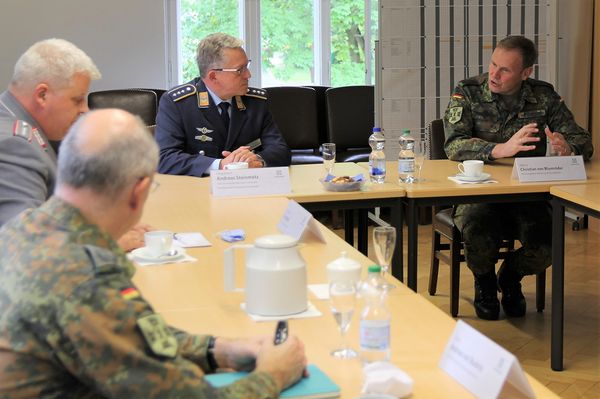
(105, 151)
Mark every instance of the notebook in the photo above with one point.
(317, 385)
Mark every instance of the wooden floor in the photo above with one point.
(529, 337)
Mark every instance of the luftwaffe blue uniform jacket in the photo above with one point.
(191, 133)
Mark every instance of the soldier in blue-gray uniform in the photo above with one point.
(503, 114)
(46, 95)
(216, 118)
(73, 324)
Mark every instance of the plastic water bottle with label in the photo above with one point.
(406, 157)
(374, 319)
(377, 156)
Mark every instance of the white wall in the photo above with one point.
(125, 38)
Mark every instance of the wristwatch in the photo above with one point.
(210, 354)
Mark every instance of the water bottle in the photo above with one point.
(374, 320)
(377, 156)
(406, 157)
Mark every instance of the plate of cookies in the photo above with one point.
(343, 183)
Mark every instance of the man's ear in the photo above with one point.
(526, 73)
(40, 94)
(139, 192)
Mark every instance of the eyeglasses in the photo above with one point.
(239, 70)
(154, 186)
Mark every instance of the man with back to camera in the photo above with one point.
(505, 113)
(73, 324)
(216, 118)
(47, 93)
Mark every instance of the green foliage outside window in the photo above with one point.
(287, 37)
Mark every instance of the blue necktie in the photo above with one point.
(224, 114)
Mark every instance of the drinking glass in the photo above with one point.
(328, 153)
(342, 299)
(384, 242)
(420, 153)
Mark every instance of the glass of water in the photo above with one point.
(328, 153)
(420, 154)
(342, 300)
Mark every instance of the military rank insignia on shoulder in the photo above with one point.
(158, 335)
(256, 92)
(23, 130)
(181, 92)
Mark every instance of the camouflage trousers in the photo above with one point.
(483, 226)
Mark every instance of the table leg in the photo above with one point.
(363, 231)
(413, 238)
(558, 284)
(349, 226)
(397, 259)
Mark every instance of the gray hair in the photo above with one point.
(53, 61)
(210, 50)
(523, 45)
(128, 154)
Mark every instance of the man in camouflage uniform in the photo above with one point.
(212, 120)
(72, 324)
(501, 114)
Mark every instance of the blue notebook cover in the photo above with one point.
(317, 385)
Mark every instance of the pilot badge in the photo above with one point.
(203, 137)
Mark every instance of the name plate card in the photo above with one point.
(549, 168)
(297, 221)
(481, 365)
(249, 182)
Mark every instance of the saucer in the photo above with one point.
(482, 177)
(142, 254)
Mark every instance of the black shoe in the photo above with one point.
(486, 302)
(513, 301)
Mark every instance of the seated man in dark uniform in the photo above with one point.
(505, 114)
(216, 118)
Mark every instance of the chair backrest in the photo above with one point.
(294, 110)
(321, 112)
(350, 115)
(141, 102)
(435, 131)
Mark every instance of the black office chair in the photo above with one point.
(321, 111)
(442, 225)
(350, 120)
(294, 110)
(141, 102)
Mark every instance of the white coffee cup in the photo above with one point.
(237, 165)
(158, 242)
(471, 168)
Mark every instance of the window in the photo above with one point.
(300, 41)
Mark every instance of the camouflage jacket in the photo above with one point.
(474, 121)
(72, 324)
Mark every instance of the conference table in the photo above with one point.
(437, 189)
(191, 295)
(584, 198)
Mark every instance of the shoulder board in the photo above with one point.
(181, 92)
(536, 82)
(256, 92)
(103, 260)
(17, 128)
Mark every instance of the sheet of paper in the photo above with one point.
(189, 240)
(549, 168)
(297, 221)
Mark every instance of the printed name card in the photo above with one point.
(248, 182)
(549, 168)
(481, 365)
(297, 221)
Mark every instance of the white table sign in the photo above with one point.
(549, 168)
(248, 182)
(297, 221)
(481, 365)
